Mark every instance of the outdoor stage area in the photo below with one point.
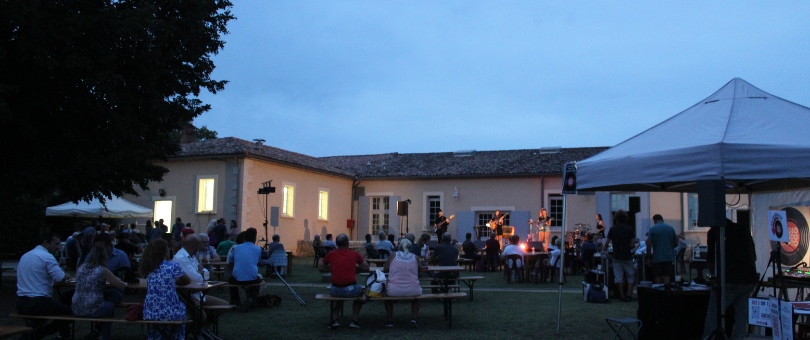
(499, 310)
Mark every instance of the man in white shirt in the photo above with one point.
(513, 249)
(36, 274)
(186, 259)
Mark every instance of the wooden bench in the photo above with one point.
(219, 309)
(447, 300)
(467, 280)
(9, 331)
(159, 325)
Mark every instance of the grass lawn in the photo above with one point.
(499, 310)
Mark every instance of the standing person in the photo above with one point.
(661, 239)
(234, 230)
(91, 278)
(219, 233)
(73, 250)
(162, 277)
(440, 224)
(496, 224)
(622, 236)
(343, 264)
(329, 242)
(403, 280)
(741, 276)
(600, 226)
(157, 231)
(36, 274)
(210, 228)
(245, 261)
(147, 231)
(86, 242)
(177, 231)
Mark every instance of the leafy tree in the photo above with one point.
(90, 90)
(204, 134)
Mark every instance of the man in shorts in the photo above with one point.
(622, 237)
(343, 263)
(661, 241)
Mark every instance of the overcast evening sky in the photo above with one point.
(329, 78)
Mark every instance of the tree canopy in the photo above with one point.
(91, 90)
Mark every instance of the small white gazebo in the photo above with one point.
(112, 208)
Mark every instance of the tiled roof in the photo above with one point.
(526, 162)
(230, 146)
(444, 164)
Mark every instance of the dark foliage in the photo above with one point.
(90, 90)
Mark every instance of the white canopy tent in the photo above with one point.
(112, 208)
(740, 134)
(750, 139)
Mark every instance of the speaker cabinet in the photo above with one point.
(711, 203)
(402, 208)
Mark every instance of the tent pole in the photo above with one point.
(562, 267)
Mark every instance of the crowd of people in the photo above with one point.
(104, 260)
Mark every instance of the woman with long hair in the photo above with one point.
(147, 231)
(234, 230)
(91, 278)
(162, 277)
(210, 228)
(403, 280)
(600, 225)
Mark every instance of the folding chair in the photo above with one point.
(624, 324)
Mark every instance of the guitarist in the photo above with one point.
(542, 222)
(440, 225)
(496, 223)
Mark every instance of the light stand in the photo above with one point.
(718, 285)
(266, 190)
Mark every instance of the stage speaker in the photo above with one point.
(635, 204)
(711, 203)
(402, 208)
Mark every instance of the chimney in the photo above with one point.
(258, 143)
(188, 134)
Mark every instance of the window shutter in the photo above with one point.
(465, 223)
(393, 218)
(363, 216)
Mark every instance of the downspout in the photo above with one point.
(542, 191)
(355, 184)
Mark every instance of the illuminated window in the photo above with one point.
(323, 205)
(205, 195)
(163, 210)
(287, 197)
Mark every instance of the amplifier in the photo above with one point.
(508, 230)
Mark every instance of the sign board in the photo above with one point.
(778, 226)
(786, 311)
(777, 326)
(570, 179)
(759, 312)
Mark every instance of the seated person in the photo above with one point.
(343, 264)
(403, 280)
(446, 254)
(225, 246)
(589, 246)
(37, 271)
(555, 251)
(329, 243)
(118, 263)
(493, 250)
(513, 249)
(186, 258)
(206, 253)
(278, 258)
(162, 278)
(392, 239)
(470, 250)
(245, 261)
(129, 248)
(384, 244)
(91, 278)
(371, 249)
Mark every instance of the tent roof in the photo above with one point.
(112, 208)
(740, 134)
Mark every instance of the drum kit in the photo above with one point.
(579, 234)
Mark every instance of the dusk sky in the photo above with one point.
(347, 78)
